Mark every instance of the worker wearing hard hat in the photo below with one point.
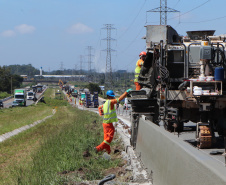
(108, 111)
(139, 63)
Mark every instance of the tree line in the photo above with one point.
(8, 80)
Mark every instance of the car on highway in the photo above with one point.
(15, 104)
(1, 104)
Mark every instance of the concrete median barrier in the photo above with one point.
(171, 161)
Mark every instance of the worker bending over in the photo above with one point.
(139, 63)
(108, 111)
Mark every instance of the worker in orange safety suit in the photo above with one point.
(139, 63)
(108, 111)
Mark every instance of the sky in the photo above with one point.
(56, 34)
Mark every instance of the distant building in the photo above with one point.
(121, 71)
(24, 76)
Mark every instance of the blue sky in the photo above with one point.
(49, 33)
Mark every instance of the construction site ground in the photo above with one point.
(134, 165)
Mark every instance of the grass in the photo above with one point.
(17, 117)
(53, 151)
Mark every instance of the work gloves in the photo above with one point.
(129, 90)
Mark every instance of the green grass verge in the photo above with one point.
(53, 151)
(17, 117)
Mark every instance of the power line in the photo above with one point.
(191, 10)
(176, 4)
(207, 20)
(133, 20)
(130, 44)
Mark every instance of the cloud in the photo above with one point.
(24, 28)
(79, 28)
(21, 29)
(8, 33)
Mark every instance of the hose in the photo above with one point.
(164, 73)
(107, 178)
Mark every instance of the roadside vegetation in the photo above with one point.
(17, 117)
(59, 150)
(4, 95)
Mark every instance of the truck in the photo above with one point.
(39, 88)
(74, 93)
(88, 101)
(183, 80)
(30, 95)
(95, 100)
(20, 97)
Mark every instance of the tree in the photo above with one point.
(94, 87)
(24, 70)
(6, 78)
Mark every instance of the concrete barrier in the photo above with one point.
(41, 95)
(5, 99)
(171, 161)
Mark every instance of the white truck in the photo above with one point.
(30, 95)
(20, 97)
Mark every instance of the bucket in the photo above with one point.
(219, 74)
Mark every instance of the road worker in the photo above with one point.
(139, 63)
(108, 111)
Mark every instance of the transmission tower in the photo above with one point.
(90, 76)
(108, 70)
(89, 48)
(80, 72)
(163, 9)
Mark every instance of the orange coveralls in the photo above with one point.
(139, 64)
(108, 128)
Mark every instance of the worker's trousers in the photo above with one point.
(109, 131)
(138, 86)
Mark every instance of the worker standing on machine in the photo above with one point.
(139, 63)
(108, 111)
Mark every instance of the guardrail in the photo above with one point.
(40, 96)
(5, 99)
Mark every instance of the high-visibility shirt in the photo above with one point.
(112, 104)
(110, 115)
(137, 69)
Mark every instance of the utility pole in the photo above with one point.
(11, 85)
(108, 70)
(163, 9)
